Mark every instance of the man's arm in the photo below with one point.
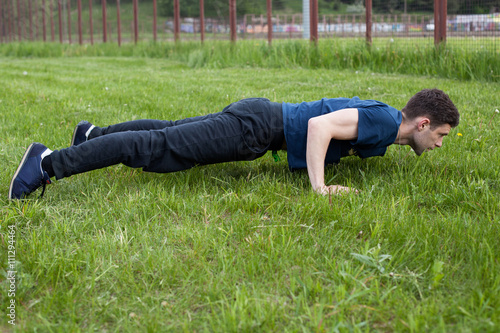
(339, 125)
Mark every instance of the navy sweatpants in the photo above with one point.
(244, 130)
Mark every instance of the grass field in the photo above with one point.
(246, 246)
(455, 61)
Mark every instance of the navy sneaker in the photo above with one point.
(29, 175)
(81, 132)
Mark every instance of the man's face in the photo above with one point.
(426, 139)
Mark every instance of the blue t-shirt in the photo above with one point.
(377, 128)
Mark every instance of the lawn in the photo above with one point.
(246, 246)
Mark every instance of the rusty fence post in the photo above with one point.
(202, 21)
(3, 25)
(79, 7)
(52, 28)
(444, 14)
(23, 17)
(9, 23)
(69, 21)
(30, 17)
(136, 21)
(3, 30)
(313, 21)
(91, 24)
(155, 27)
(2, 21)
(232, 19)
(176, 20)
(269, 22)
(368, 4)
(19, 20)
(37, 21)
(12, 23)
(6, 22)
(119, 23)
(440, 13)
(59, 10)
(104, 22)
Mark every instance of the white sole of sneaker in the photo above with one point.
(23, 160)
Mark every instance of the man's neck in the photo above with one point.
(404, 133)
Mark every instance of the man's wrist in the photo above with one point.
(318, 187)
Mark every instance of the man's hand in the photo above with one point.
(335, 189)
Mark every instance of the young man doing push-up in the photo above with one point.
(313, 133)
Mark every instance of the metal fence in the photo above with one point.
(71, 21)
(345, 25)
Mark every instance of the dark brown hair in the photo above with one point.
(434, 104)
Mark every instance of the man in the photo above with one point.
(313, 133)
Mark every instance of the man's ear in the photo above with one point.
(423, 123)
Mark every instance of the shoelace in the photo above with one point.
(43, 189)
(43, 183)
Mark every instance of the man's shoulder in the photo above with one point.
(356, 102)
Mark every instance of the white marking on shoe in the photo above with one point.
(45, 153)
(88, 132)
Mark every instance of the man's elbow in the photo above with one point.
(313, 125)
(318, 128)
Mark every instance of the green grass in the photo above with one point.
(456, 61)
(246, 246)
